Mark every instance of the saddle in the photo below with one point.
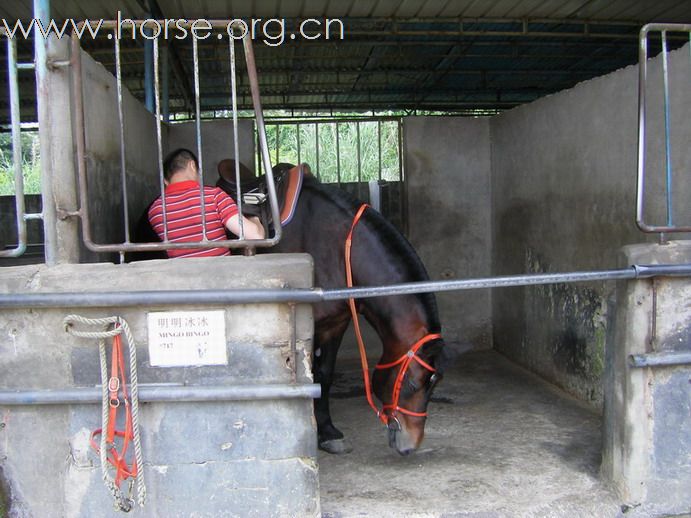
(255, 197)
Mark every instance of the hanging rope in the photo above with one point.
(110, 388)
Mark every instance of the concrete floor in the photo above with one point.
(499, 443)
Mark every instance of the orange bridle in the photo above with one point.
(404, 361)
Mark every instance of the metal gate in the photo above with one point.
(21, 216)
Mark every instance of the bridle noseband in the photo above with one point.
(404, 361)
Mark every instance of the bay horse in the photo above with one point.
(380, 255)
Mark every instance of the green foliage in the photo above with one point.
(339, 158)
(31, 164)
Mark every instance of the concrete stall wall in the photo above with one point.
(103, 157)
(647, 444)
(215, 458)
(563, 199)
(447, 170)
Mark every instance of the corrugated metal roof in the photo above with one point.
(395, 54)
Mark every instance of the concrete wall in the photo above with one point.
(103, 157)
(245, 458)
(447, 168)
(217, 143)
(647, 444)
(563, 199)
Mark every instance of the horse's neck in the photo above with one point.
(399, 321)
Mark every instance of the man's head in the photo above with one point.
(180, 162)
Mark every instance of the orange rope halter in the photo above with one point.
(404, 360)
(117, 382)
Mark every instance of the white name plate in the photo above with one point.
(187, 338)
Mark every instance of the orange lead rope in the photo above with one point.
(404, 360)
(356, 321)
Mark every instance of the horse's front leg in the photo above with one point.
(327, 340)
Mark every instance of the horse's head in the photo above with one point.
(405, 387)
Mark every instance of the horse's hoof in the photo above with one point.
(336, 446)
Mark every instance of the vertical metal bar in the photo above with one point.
(316, 148)
(159, 142)
(261, 131)
(359, 160)
(642, 79)
(80, 134)
(293, 342)
(15, 119)
(338, 157)
(197, 110)
(379, 147)
(403, 200)
(278, 135)
(121, 120)
(297, 133)
(165, 84)
(668, 149)
(236, 144)
(148, 70)
(50, 237)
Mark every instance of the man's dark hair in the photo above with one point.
(177, 161)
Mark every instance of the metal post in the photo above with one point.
(236, 142)
(668, 145)
(121, 120)
(15, 116)
(165, 84)
(148, 70)
(50, 235)
(338, 157)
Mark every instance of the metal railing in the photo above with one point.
(166, 244)
(315, 295)
(361, 155)
(670, 225)
(21, 215)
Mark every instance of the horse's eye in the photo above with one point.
(433, 380)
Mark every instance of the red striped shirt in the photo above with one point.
(184, 217)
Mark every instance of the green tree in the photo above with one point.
(31, 164)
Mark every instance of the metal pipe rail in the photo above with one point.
(159, 393)
(670, 225)
(15, 123)
(660, 359)
(315, 295)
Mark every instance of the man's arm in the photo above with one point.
(252, 226)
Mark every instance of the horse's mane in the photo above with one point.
(392, 239)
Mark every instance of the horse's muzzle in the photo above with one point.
(399, 439)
